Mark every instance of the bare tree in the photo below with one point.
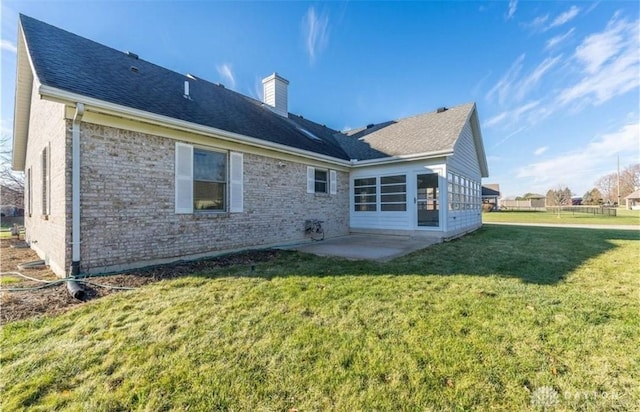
(608, 186)
(629, 180)
(12, 182)
(559, 197)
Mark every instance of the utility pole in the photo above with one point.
(618, 180)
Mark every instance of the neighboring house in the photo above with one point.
(531, 202)
(491, 195)
(129, 164)
(633, 200)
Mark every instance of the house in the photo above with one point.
(129, 164)
(633, 200)
(491, 195)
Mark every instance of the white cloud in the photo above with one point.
(537, 23)
(316, 33)
(554, 41)
(610, 64)
(529, 82)
(226, 72)
(540, 150)
(580, 167)
(511, 116)
(503, 88)
(597, 48)
(514, 87)
(513, 5)
(565, 17)
(8, 46)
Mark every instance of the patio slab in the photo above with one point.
(365, 246)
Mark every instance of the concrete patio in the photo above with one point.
(366, 247)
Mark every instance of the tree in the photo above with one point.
(629, 180)
(559, 197)
(608, 186)
(592, 197)
(12, 182)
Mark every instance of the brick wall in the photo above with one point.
(128, 212)
(48, 234)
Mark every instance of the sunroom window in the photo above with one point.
(393, 193)
(365, 194)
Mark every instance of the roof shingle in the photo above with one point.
(69, 62)
(72, 63)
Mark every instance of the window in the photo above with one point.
(46, 173)
(320, 181)
(393, 193)
(464, 194)
(365, 195)
(207, 180)
(29, 193)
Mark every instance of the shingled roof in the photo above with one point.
(70, 63)
(425, 133)
(74, 64)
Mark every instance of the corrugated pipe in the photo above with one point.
(75, 290)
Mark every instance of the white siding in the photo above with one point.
(465, 158)
(276, 94)
(464, 162)
(397, 221)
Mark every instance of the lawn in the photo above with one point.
(624, 217)
(507, 318)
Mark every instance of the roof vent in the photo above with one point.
(133, 69)
(441, 109)
(186, 90)
(369, 126)
(132, 54)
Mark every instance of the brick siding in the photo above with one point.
(128, 214)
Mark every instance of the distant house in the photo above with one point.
(491, 194)
(531, 201)
(129, 164)
(633, 200)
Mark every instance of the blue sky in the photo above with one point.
(556, 83)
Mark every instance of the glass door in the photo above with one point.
(427, 200)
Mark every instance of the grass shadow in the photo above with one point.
(540, 255)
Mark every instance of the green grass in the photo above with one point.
(479, 323)
(624, 217)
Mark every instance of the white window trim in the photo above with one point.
(184, 180)
(46, 180)
(332, 181)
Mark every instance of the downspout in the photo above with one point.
(74, 288)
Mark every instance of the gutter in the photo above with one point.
(401, 158)
(63, 96)
(75, 191)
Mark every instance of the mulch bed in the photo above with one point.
(55, 299)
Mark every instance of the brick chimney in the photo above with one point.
(275, 94)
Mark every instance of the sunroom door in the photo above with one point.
(428, 200)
